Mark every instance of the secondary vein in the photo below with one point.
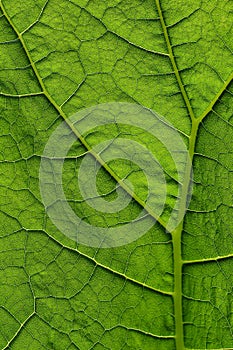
(173, 61)
(75, 131)
(115, 272)
(215, 259)
(216, 98)
(177, 234)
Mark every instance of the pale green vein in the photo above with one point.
(173, 61)
(117, 326)
(177, 234)
(177, 250)
(119, 36)
(98, 264)
(216, 98)
(142, 332)
(22, 95)
(215, 259)
(75, 131)
(22, 325)
(38, 18)
(177, 296)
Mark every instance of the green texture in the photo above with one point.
(167, 290)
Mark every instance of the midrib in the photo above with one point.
(177, 247)
(177, 233)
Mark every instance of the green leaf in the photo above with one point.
(166, 290)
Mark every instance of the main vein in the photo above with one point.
(177, 233)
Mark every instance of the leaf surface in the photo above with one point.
(166, 290)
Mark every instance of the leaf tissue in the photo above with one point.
(170, 285)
